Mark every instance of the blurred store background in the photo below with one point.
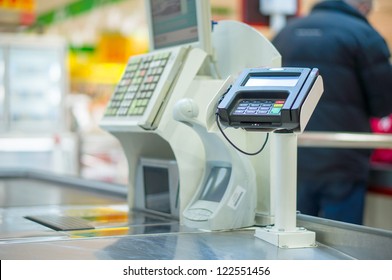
(59, 63)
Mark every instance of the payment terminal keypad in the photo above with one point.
(259, 107)
(136, 87)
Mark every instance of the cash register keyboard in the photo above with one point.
(259, 107)
(136, 87)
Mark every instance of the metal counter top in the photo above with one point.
(122, 234)
(235, 245)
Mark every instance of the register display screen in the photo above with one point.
(174, 22)
(281, 81)
(156, 187)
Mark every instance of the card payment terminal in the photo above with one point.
(280, 100)
(267, 99)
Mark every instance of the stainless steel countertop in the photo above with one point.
(139, 235)
(235, 245)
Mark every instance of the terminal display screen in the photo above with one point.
(281, 81)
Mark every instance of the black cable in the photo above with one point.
(238, 149)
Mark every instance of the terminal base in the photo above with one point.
(299, 238)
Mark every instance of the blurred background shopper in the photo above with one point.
(353, 59)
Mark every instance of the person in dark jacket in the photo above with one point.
(353, 60)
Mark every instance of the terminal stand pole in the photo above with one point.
(284, 179)
(284, 233)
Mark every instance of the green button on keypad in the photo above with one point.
(275, 110)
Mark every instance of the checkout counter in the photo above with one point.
(120, 234)
(191, 194)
